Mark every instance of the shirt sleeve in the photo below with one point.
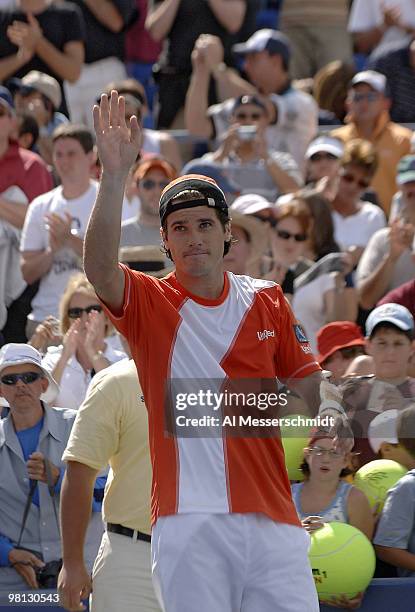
(126, 8)
(294, 355)
(95, 434)
(75, 29)
(34, 233)
(138, 306)
(287, 163)
(38, 179)
(5, 547)
(372, 256)
(365, 15)
(397, 521)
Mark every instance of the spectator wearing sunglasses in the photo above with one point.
(31, 432)
(85, 348)
(368, 117)
(149, 179)
(290, 233)
(245, 154)
(355, 220)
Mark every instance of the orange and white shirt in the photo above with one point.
(249, 332)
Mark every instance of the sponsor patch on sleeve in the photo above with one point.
(300, 334)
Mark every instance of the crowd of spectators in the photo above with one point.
(304, 114)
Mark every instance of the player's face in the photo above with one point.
(235, 261)
(391, 351)
(195, 238)
(70, 160)
(150, 188)
(324, 462)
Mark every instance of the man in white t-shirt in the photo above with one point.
(52, 237)
(377, 23)
(266, 55)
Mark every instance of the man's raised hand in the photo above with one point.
(118, 143)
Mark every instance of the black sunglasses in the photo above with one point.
(26, 377)
(76, 313)
(150, 184)
(319, 156)
(287, 235)
(350, 178)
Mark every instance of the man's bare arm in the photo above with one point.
(74, 582)
(118, 147)
(160, 20)
(229, 13)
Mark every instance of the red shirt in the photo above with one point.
(24, 169)
(248, 333)
(404, 295)
(139, 45)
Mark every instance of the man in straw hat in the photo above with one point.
(197, 329)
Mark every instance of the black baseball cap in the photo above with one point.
(273, 41)
(213, 195)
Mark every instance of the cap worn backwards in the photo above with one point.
(213, 195)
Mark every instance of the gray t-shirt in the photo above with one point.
(253, 176)
(396, 527)
(134, 233)
(376, 250)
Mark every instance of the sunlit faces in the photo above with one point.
(237, 258)
(34, 104)
(398, 453)
(195, 238)
(322, 164)
(70, 160)
(261, 67)
(323, 460)
(391, 351)
(83, 300)
(354, 180)
(23, 395)
(149, 190)
(287, 233)
(250, 114)
(365, 103)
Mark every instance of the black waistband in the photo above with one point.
(126, 531)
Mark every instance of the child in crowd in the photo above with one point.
(389, 341)
(338, 343)
(324, 496)
(395, 535)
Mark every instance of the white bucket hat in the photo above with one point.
(19, 354)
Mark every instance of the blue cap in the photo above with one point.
(273, 41)
(396, 314)
(6, 98)
(218, 174)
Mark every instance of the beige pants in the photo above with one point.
(315, 46)
(121, 577)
